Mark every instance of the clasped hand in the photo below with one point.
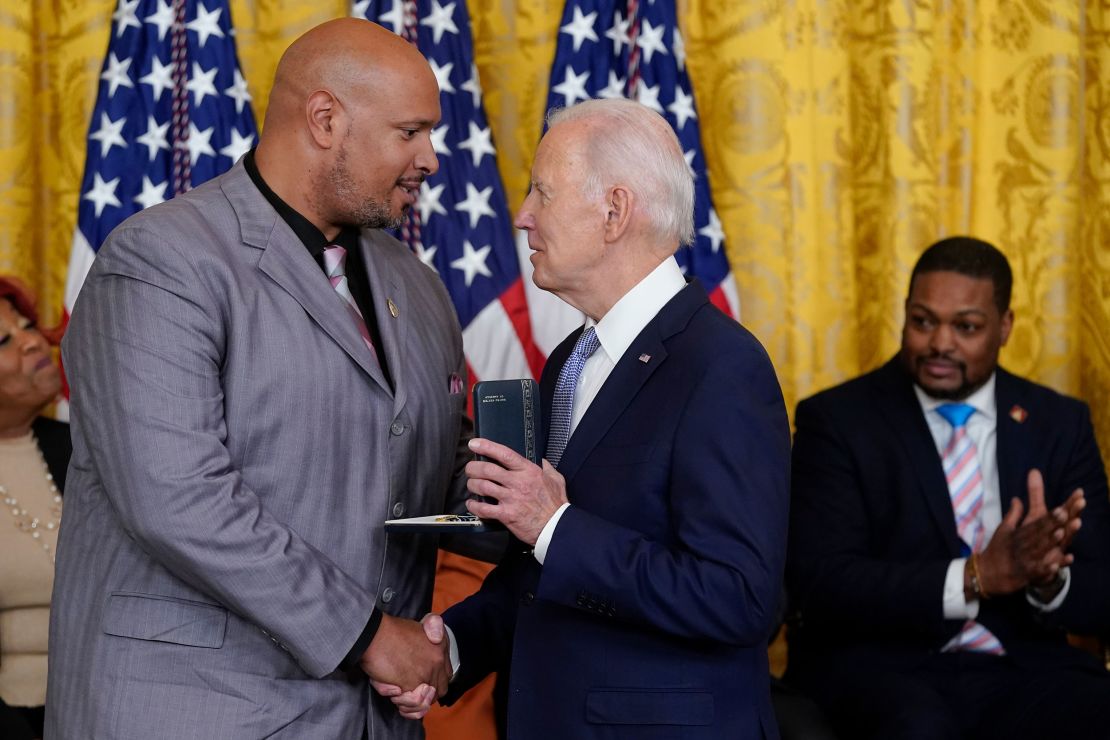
(1029, 549)
(407, 655)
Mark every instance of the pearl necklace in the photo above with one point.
(24, 522)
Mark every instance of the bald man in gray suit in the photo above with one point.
(246, 416)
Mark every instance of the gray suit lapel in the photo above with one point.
(386, 288)
(285, 260)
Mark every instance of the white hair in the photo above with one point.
(635, 146)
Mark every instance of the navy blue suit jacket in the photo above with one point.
(651, 614)
(872, 529)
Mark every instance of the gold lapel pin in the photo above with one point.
(645, 358)
(1018, 414)
(392, 307)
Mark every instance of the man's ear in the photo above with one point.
(1007, 325)
(618, 212)
(322, 114)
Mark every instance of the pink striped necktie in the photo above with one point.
(965, 487)
(335, 262)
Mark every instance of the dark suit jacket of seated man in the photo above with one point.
(650, 614)
(876, 569)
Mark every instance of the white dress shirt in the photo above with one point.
(982, 428)
(616, 331)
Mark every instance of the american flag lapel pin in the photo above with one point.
(1018, 414)
(645, 358)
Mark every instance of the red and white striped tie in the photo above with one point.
(335, 262)
(965, 487)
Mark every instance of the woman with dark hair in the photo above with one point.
(34, 453)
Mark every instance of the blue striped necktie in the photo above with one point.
(562, 405)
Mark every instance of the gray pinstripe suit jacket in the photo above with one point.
(236, 451)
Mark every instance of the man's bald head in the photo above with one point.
(353, 59)
(347, 136)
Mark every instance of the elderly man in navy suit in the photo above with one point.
(638, 595)
(949, 522)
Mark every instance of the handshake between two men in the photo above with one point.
(410, 662)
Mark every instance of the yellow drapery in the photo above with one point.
(841, 138)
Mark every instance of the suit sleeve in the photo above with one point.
(144, 354)
(718, 578)
(1086, 609)
(835, 574)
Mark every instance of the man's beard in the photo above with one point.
(364, 211)
(959, 393)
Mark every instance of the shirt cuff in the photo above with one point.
(544, 540)
(354, 655)
(453, 650)
(955, 605)
(1057, 601)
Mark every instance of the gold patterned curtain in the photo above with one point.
(842, 136)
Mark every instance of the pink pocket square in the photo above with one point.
(454, 383)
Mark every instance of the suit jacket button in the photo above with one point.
(398, 509)
(529, 597)
(397, 428)
(387, 595)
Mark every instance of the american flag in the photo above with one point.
(461, 225)
(633, 49)
(172, 111)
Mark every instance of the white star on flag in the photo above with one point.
(206, 24)
(163, 18)
(476, 203)
(472, 263)
(581, 28)
(682, 108)
(395, 17)
(109, 134)
(198, 142)
(116, 75)
(160, 77)
(678, 46)
(649, 96)
(439, 140)
(239, 92)
(103, 193)
(439, 20)
(573, 87)
(618, 33)
(202, 83)
(427, 255)
(154, 138)
(615, 88)
(125, 16)
(651, 40)
(238, 146)
(713, 230)
(443, 75)
(428, 202)
(151, 194)
(474, 86)
(478, 143)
